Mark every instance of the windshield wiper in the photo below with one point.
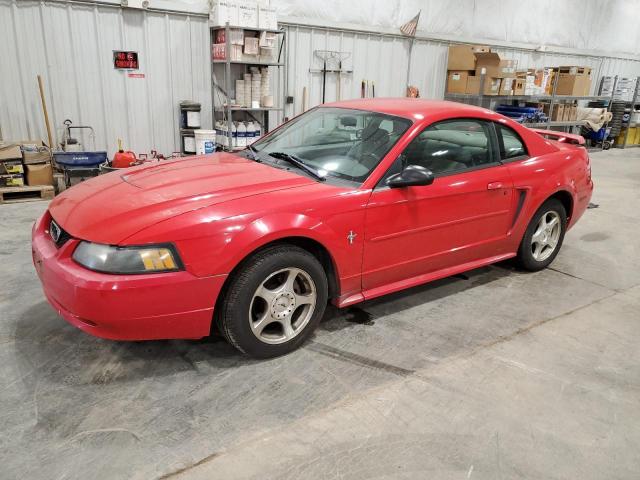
(254, 153)
(294, 160)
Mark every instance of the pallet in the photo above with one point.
(26, 194)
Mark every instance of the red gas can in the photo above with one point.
(122, 159)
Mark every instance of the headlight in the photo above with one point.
(142, 259)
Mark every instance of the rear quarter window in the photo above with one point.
(511, 145)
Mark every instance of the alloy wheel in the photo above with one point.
(546, 236)
(282, 305)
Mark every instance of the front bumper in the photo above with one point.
(123, 307)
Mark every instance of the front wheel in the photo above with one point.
(543, 237)
(274, 302)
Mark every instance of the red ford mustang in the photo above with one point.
(346, 202)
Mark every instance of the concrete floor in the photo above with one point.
(497, 374)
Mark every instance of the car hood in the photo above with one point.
(112, 207)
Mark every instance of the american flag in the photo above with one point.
(409, 28)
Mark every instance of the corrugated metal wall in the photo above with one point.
(71, 45)
(383, 59)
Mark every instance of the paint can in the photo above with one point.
(188, 141)
(205, 141)
(189, 114)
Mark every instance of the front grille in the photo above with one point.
(57, 234)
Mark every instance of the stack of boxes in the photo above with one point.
(27, 162)
(245, 46)
(219, 47)
(574, 81)
(562, 112)
(624, 88)
(467, 63)
(11, 168)
(244, 14)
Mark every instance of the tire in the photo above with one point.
(533, 255)
(274, 301)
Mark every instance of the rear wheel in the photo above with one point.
(543, 237)
(274, 302)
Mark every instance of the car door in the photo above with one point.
(463, 216)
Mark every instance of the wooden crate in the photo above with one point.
(26, 194)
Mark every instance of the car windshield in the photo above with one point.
(337, 142)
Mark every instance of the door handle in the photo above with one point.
(494, 186)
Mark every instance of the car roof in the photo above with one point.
(410, 107)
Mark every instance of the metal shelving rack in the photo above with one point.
(225, 107)
(635, 100)
(490, 101)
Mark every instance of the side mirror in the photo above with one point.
(412, 176)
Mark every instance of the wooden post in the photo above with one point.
(46, 113)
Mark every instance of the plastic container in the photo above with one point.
(242, 134)
(257, 131)
(123, 159)
(205, 141)
(249, 133)
(221, 133)
(234, 135)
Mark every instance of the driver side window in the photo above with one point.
(449, 147)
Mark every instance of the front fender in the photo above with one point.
(278, 226)
(210, 245)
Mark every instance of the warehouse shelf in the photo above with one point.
(633, 103)
(531, 98)
(571, 123)
(222, 88)
(253, 64)
(251, 29)
(491, 101)
(260, 109)
(232, 149)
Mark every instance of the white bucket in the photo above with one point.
(205, 141)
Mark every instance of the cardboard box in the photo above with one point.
(518, 88)
(267, 18)
(10, 151)
(34, 151)
(457, 81)
(491, 85)
(11, 166)
(12, 180)
(558, 113)
(247, 14)
(223, 12)
(507, 86)
(551, 76)
(219, 52)
(236, 36)
(494, 66)
(574, 81)
(462, 57)
(251, 46)
(39, 174)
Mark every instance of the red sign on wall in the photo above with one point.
(125, 60)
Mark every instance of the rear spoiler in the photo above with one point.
(560, 136)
